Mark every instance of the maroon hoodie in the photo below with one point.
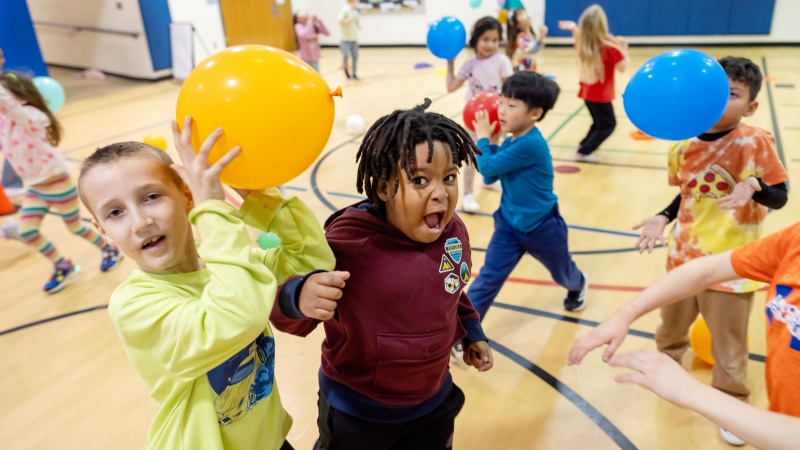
(401, 311)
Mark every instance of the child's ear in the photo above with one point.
(383, 191)
(102, 232)
(751, 109)
(535, 113)
(189, 198)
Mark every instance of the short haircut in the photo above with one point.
(744, 71)
(391, 142)
(482, 26)
(122, 150)
(533, 89)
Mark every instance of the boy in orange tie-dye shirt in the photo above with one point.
(729, 177)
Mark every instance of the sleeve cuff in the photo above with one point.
(289, 297)
(474, 332)
(214, 206)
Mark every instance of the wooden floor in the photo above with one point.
(66, 383)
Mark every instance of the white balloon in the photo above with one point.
(355, 124)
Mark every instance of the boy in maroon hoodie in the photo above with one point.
(385, 380)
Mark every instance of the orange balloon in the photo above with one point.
(156, 141)
(269, 102)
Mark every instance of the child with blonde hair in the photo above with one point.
(600, 54)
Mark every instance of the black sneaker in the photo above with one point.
(356, 77)
(346, 72)
(576, 300)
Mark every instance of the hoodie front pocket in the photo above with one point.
(412, 366)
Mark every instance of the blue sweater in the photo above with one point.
(525, 169)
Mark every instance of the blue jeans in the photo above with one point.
(547, 243)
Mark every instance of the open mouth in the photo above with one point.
(152, 242)
(434, 221)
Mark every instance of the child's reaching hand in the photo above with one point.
(652, 233)
(201, 177)
(568, 25)
(479, 356)
(482, 126)
(320, 293)
(659, 373)
(742, 193)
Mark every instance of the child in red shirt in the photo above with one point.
(600, 54)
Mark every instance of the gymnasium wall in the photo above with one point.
(411, 29)
(206, 18)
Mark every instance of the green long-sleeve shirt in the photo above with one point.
(202, 341)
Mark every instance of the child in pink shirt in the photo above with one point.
(308, 28)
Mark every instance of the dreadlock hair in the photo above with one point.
(390, 142)
(21, 86)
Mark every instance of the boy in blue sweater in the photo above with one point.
(528, 219)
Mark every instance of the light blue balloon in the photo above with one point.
(447, 37)
(267, 241)
(52, 92)
(677, 95)
(475, 3)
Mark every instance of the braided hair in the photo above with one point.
(391, 141)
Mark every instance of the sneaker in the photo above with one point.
(111, 258)
(63, 273)
(346, 72)
(457, 351)
(576, 300)
(730, 438)
(590, 158)
(10, 230)
(355, 77)
(12, 192)
(496, 186)
(469, 204)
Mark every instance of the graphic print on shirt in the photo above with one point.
(243, 380)
(465, 273)
(716, 182)
(778, 309)
(451, 283)
(453, 248)
(446, 265)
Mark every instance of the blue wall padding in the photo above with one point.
(669, 17)
(156, 18)
(18, 39)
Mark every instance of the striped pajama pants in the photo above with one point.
(62, 196)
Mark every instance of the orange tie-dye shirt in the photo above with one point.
(707, 171)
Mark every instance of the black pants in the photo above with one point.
(286, 446)
(603, 126)
(433, 431)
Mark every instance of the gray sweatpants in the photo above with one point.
(349, 48)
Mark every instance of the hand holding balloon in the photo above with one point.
(483, 128)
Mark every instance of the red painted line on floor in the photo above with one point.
(599, 287)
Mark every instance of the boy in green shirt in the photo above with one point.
(194, 318)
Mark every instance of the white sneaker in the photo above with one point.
(590, 158)
(12, 192)
(10, 230)
(469, 204)
(730, 438)
(457, 351)
(496, 186)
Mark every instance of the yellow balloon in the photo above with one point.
(156, 141)
(700, 340)
(269, 102)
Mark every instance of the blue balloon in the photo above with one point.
(52, 92)
(447, 37)
(677, 95)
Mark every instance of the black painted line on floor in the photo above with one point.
(585, 407)
(52, 319)
(588, 323)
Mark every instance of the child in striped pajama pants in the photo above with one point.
(28, 132)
